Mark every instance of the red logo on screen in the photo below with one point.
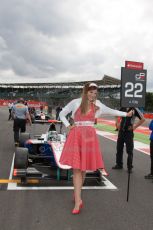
(140, 77)
(133, 65)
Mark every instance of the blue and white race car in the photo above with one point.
(39, 157)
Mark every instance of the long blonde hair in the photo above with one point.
(84, 103)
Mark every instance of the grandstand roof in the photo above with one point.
(106, 81)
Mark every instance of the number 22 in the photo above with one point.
(130, 89)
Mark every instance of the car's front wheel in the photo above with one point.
(23, 138)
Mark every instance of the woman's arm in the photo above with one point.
(67, 109)
(104, 110)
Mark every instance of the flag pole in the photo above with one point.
(128, 186)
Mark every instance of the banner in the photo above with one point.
(35, 104)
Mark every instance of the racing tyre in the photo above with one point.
(99, 175)
(21, 158)
(23, 138)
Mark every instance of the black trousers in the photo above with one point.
(10, 115)
(19, 126)
(125, 137)
(151, 156)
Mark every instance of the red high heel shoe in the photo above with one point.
(77, 211)
(81, 205)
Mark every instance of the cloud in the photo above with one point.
(69, 40)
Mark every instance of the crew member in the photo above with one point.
(20, 114)
(126, 135)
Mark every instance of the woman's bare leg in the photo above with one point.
(83, 176)
(77, 181)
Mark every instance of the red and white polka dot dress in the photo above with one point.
(81, 149)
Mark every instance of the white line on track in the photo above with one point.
(14, 186)
(141, 147)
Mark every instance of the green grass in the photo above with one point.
(137, 136)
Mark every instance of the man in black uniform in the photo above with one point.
(58, 110)
(126, 135)
(10, 105)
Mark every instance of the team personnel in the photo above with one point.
(126, 135)
(10, 105)
(58, 110)
(150, 175)
(20, 114)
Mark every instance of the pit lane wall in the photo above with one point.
(31, 103)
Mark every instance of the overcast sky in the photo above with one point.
(73, 40)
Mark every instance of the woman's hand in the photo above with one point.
(130, 114)
(70, 127)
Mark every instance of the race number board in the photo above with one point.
(133, 87)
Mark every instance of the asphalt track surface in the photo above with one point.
(103, 209)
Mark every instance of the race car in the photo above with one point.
(39, 157)
(40, 115)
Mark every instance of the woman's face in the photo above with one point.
(92, 95)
